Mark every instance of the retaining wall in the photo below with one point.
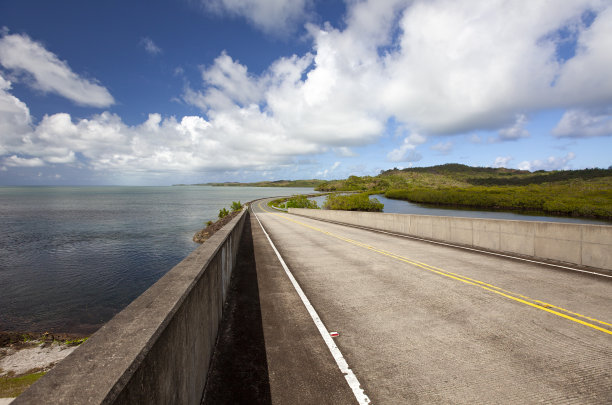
(581, 244)
(158, 349)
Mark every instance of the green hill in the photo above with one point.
(586, 193)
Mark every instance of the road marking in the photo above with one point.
(486, 286)
(350, 377)
(461, 247)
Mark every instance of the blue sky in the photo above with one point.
(185, 91)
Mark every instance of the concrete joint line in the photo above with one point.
(350, 377)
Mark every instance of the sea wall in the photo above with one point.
(580, 244)
(158, 349)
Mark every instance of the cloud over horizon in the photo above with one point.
(436, 67)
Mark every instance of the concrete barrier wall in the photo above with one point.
(158, 349)
(586, 245)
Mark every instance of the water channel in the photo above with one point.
(405, 207)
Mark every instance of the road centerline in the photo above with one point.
(543, 306)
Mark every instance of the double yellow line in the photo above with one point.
(541, 305)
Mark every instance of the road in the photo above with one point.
(423, 323)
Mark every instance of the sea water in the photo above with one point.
(72, 257)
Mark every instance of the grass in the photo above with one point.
(75, 342)
(13, 386)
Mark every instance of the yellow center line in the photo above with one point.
(541, 305)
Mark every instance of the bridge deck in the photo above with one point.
(417, 322)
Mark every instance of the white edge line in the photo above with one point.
(350, 377)
(401, 235)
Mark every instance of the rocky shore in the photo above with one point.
(25, 357)
(202, 235)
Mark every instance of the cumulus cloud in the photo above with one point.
(15, 119)
(437, 67)
(471, 65)
(270, 16)
(46, 72)
(581, 123)
(433, 67)
(406, 152)
(326, 107)
(191, 144)
(516, 131)
(16, 161)
(502, 161)
(551, 163)
(150, 46)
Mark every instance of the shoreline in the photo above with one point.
(27, 356)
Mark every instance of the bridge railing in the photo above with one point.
(581, 244)
(158, 349)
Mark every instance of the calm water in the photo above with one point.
(71, 258)
(405, 207)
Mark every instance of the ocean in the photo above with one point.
(72, 257)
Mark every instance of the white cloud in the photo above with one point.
(231, 140)
(150, 46)
(228, 84)
(406, 152)
(580, 123)
(48, 73)
(15, 119)
(551, 163)
(271, 16)
(443, 147)
(325, 173)
(516, 131)
(502, 161)
(436, 67)
(16, 161)
(433, 67)
(326, 108)
(470, 65)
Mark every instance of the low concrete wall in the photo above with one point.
(158, 349)
(586, 245)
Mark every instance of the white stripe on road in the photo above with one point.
(352, 381)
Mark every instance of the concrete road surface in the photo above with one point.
(425, 323)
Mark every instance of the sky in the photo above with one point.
(160, 92)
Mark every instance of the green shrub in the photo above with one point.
(353, 202)
(223, 213)
(209, 223)
(236, 206)
(564, 199)
(301, 201)
(278, 203)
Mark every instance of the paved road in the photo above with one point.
(424, 323)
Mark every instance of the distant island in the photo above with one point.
(277, 183)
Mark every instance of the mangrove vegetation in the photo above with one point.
(582, 193)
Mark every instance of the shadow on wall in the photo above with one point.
(239, 369)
